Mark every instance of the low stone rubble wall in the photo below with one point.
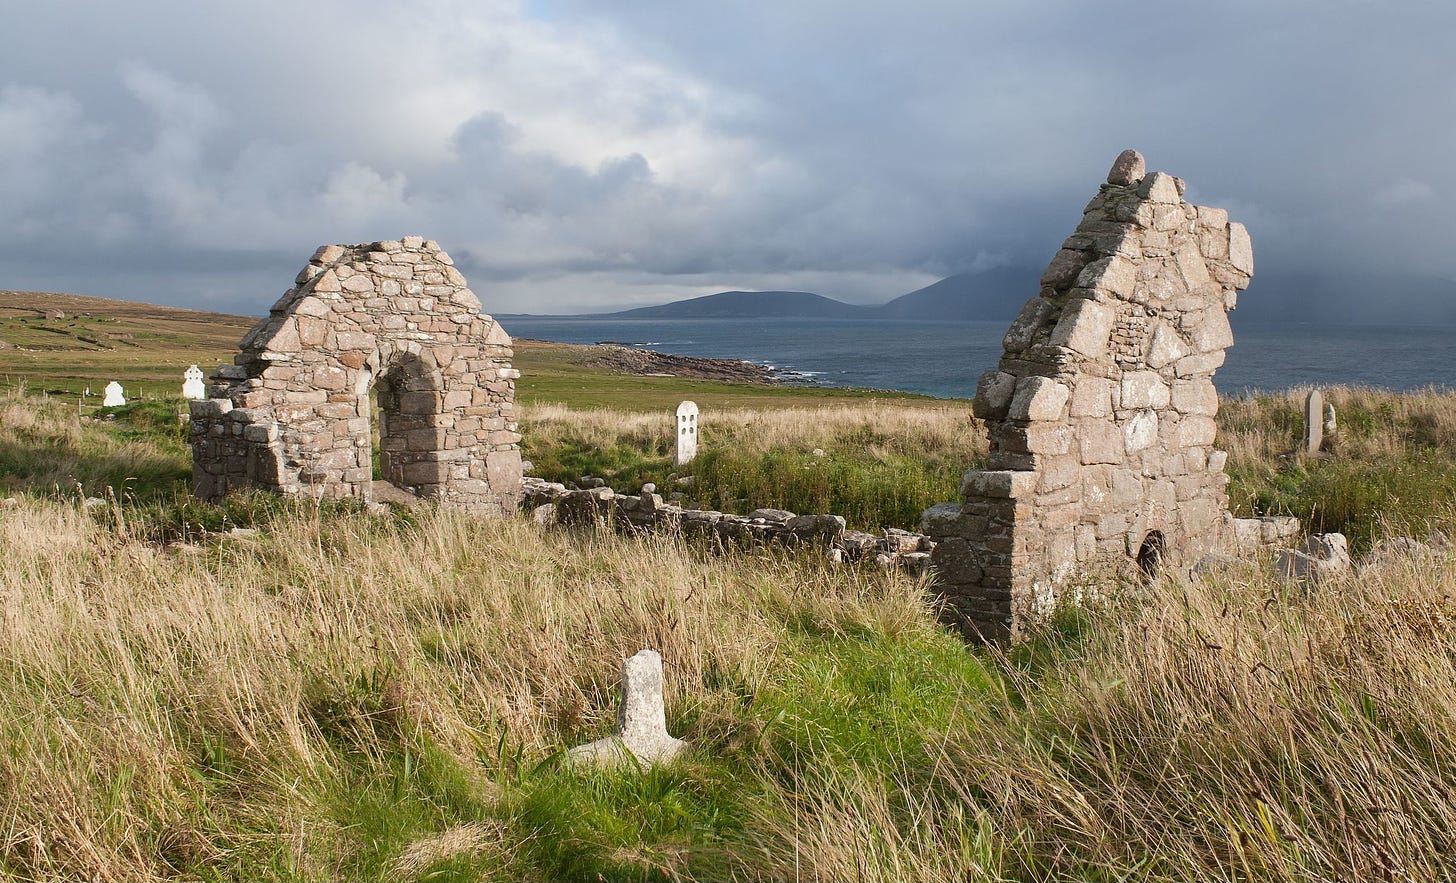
(549, 503)
(1252, 535)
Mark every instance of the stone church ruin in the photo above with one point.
(294, 415)
(1101, 411)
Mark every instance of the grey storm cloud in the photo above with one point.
(574, 154)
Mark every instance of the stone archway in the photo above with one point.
(410, 406)
(292, 414)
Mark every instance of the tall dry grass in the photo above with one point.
(165, 708)
(881, 425)
(346, 696)
(1227, 729)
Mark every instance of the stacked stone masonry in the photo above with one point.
(293, 414)
(1101, 411)
(550, 502)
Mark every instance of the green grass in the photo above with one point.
(552, 372)
(1390, 469)
(871, 492)
(348, 696)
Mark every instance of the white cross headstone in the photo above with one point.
(687, 433)
(114, 396)
(192, 387)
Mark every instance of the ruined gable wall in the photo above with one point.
(1101, 411)
(292, 414)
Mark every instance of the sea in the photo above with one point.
(944, 359)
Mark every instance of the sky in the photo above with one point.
(577, 155)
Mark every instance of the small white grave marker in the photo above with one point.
(687, 433)
(192, 386)
(114, 396)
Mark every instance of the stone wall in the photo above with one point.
(550, 502)
(1101, 411)
(293, 414)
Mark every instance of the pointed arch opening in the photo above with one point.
(405, 407)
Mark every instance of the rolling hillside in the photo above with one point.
(752, 305)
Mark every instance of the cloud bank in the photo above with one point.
(576, 155)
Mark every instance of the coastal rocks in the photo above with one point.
(642, 737)
(633, 360)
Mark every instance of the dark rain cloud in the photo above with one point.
(574, 154)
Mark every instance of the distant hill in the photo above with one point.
(751, 305)
(997, 295)
(991, 295)
(1347, 299)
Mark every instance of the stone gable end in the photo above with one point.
(1100, 412)
(293, 413)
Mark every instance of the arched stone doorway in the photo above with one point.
(293, 413)
(408, 399)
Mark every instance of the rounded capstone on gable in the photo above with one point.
(1128, 168)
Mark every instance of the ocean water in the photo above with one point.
(945, 358)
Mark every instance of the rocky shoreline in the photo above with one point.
(623, 359)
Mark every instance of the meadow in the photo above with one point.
(340, 695)
(354, 696)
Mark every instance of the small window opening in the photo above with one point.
(1150, 556)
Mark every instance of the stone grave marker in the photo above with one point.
(1314, 415)
(115, 398)
(641, 720)
(192, 386)
(1330, 424)
(687, 433)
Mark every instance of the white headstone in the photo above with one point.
(687, 433)
(114, 396)
(1330, 424)
(192, 386)
(1314, 416)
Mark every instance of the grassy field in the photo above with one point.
(347, 696)
(148, 347)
